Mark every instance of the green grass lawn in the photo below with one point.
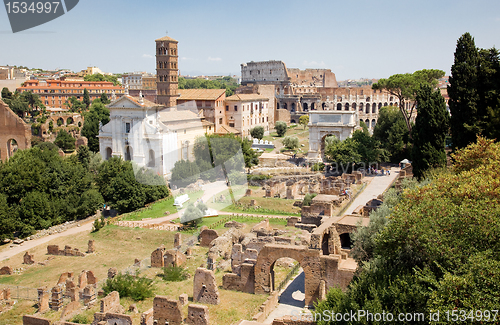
(158, 209)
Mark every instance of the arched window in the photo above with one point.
(323, 106)
(128, 153)
(109, 153)
(373, 123)
(367, 122)
(151, 162)
(11, 147)
(293, 107)
(353, 106)
(312, 107)
(339, 107)
(374, 108)
(305, 108)
(346, 106)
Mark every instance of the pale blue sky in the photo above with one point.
(353, 38)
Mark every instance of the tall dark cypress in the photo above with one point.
(429, 132)
(465, 122)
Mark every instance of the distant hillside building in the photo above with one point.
(55, 93)
(301, 91)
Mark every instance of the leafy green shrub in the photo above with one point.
(257, 132)
(280, 127)
(98, 225)
(308, 199)
(65, 141)
(174, 274)
(258, 177)
(81, 319)
(291, 142)
(317, 167)
(135, 287)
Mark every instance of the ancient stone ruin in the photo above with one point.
(6, 270)
(167, 310)
(197, 315)
(205, 288)
(161, 257)
(67, 251)
(206, 236)
(91, 246)
(28, 258)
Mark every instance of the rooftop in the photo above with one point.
(200, 94)
(246, 97)
(166, 38)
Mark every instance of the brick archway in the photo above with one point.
(309, 260)
(12, 127)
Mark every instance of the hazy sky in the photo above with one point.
(353, 38)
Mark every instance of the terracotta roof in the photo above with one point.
(135, 100)
(166, 38)
(177, 116)
(200, 94)
(246, 97)
(226, 129)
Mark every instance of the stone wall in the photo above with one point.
(12, 127)
(34, 320)
(205, 288)
(197, 315)
(67, 251)
(206, 236)
(167, 310)
(111, 303)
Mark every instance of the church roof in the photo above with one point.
(135, 100)
(246, 97)
(226, 129)
(200, 94)
(166, 38)
(167, 116)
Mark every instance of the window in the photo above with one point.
(220, 120)
(127, 127)
(235, 108)
(227, 108)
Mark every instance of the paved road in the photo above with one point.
(292, 300)
(9, 252)
(378, 184)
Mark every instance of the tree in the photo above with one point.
(257, 132)
(405, 86)
(184, 173)
(74, 105)
(86, 98)
(101, 77)
(280, 127)
(191, 216)
(65, 141)
(6, 94)
(429, 133)
(104, 99)
(97, 113)
(344, 153)
(463, 93)
(304, 120)
(368, 147)
(391, 132)
(291, 142)
(421, 257)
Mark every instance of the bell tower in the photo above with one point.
(167, 71)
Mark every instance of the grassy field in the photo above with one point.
(158, 209)
(297, 131)
(118, 247)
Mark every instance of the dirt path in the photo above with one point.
(8, 252)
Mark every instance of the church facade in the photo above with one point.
(149, 134)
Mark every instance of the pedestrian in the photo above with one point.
(388, 172)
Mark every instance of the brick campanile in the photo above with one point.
(167, 71)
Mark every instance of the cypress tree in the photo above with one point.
(431, 126)
(465, 122)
